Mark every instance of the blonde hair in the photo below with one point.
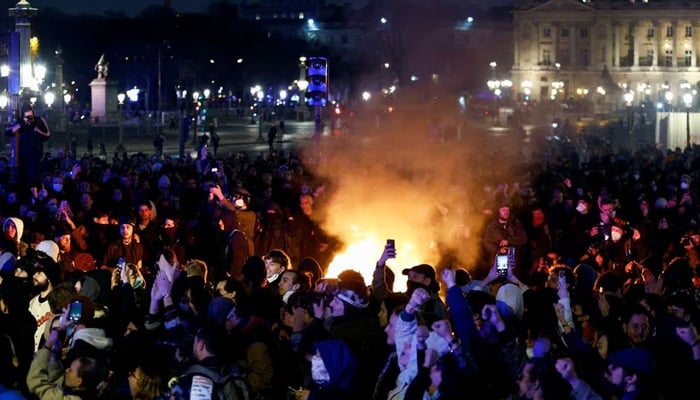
(147, 386)
(196, 267)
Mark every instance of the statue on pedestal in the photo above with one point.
(102, 67)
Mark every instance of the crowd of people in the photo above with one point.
(150, 277)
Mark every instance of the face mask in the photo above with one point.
(319, 373)
(615, 236)
(581, 207)
(684, 185)
(170, 232)
(57, 187)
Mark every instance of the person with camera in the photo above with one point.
(80, 379)
(30, 133)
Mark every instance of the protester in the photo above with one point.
(607, 308)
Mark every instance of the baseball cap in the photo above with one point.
(424, 269)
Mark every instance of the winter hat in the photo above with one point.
(50, 248)
(353, 293)
(509, 301)
(50, 268)
(127, 220)
(218, 310)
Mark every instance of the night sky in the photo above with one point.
(130, 7)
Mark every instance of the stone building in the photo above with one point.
(607, 54)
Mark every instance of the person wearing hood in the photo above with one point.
(11, 241)
(236, 246)
(334, 369)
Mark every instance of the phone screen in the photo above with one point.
(502, 265)
(75, 312)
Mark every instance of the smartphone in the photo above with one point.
(214, 169)
(502, 265)
(75, 311)
(120, 264)
(291, 390)
(391, 243)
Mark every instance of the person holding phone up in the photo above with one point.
(30, 133)
(78, 381)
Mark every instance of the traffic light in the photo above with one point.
(317, 91)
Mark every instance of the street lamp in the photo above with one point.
(688, 101)
(49, 98)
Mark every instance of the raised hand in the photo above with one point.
(448, 276)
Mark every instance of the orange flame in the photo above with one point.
(364, 250)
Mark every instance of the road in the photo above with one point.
(237, 134)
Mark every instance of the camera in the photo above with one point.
(307, 300)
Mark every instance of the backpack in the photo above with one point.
(231, 386)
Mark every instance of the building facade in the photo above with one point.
(607, 53)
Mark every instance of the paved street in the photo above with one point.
(237, 134)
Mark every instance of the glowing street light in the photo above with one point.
(133, 94)
(49, 98)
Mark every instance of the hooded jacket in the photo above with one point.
(237, 249)
(342, 367)
(43, 368)
(20, 248)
